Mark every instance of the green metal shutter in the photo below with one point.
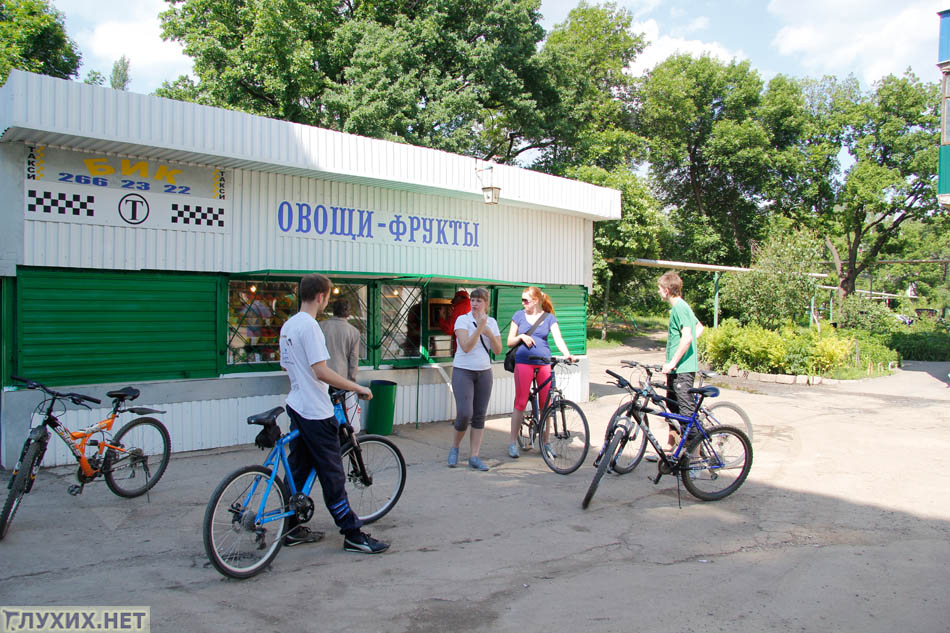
(570, 304)
(81, 327)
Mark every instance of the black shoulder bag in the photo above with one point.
(510, 355)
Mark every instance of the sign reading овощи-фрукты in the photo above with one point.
(89, 188)
(295, 219)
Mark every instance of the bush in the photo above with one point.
(858, 313)
(932, 346)
(792, 350)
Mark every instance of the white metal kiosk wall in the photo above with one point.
(97, 184)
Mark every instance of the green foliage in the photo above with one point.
(636, 234)
(94, 78)
(791, 350)
(869, 348)
(927, 339)
(33, 38)
(776, 290)
(120, 79)
(459, 76)
(860, 313)
(586, 58)
(889, 138)
(710, 147)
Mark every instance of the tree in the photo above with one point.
(459, 76)
(890, 138)
(33, 38)
(592, 121)
(777, 289)
(94, 78)
(709, 150)
(636, 234)
(120, 79)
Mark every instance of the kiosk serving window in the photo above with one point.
(357, 296)
(256, 310)
(400, 322)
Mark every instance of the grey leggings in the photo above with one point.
(472, 393)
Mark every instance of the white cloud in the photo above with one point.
(662, 46)
(129, 28)
(699, 23)
(876, 37)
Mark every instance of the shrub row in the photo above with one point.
(792, 349)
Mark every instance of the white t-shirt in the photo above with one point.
(301, 345)
(477, 359)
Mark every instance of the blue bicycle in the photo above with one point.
(711, 462)
(246, 517)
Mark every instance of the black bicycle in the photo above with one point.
(720, 413)
(559, 426)
(712, 462)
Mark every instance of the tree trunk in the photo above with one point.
(603, 329)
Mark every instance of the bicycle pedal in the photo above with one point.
(75, 490)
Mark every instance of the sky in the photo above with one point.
(804, 38)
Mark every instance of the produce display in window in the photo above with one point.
(256, 312)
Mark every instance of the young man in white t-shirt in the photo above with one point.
(303, 354)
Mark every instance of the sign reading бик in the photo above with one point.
(88, 188)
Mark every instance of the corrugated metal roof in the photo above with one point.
(57, 112)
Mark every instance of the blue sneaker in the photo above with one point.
(550, 451)
(477, 463)
(453, 457)
(513, 450)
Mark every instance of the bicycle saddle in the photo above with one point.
(708, 391)
(125, 393)
(268, 417)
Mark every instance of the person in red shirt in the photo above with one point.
(460, 305)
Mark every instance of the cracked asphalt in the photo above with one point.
(843, 525)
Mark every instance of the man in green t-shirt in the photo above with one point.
(681, 357)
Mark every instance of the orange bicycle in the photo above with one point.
(131, 461)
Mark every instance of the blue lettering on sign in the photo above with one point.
(304, 219)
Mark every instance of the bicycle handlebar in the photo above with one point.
(75, 398)
(550, 360)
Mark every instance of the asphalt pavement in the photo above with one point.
(843, 525)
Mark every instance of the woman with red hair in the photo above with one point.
(538, 313)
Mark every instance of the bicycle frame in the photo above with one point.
(278, 457)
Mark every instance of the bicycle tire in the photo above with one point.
(737, 417)
(602, 468)
(148, 451)
(232, 542)
(19, 486)
(718, 464)
(631, 450)
(387, 467)
(569, 437)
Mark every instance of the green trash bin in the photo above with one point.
(381, 407)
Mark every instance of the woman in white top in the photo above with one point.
(476, 333)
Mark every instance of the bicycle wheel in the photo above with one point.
(602, 467)
(146, 452)
(387, 469)
(727, 414)
(19, 485)
(569, 437)
(719, 464)
(234, 543)
(631, 450)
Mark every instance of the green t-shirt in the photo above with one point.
(682, 315)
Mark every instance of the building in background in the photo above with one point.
(159, 243)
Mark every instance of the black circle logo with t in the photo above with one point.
(133, 208)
